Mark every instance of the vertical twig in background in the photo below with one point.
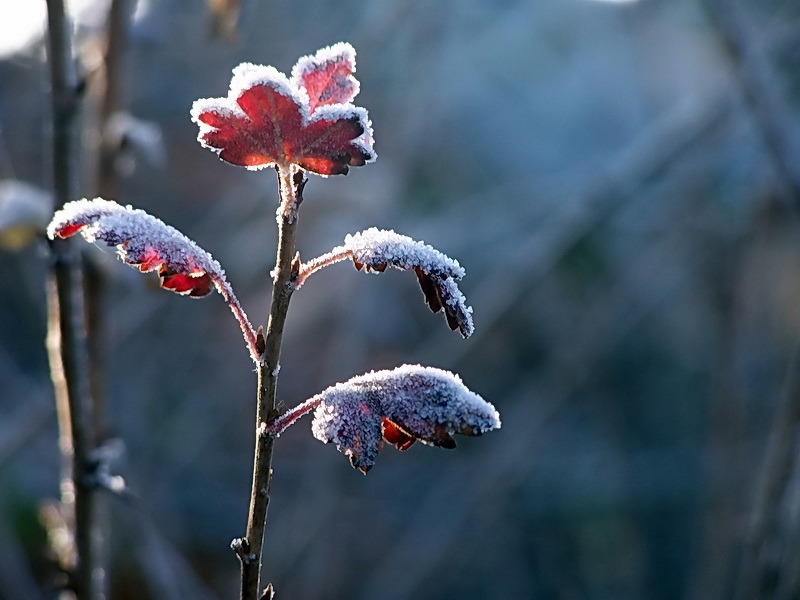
(760, 573)
(66, 342)
(248, 549)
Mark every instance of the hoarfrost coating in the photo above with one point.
(247, 75)
(341, 52)
(459, 315)
(374, 246)
(327, 76)
(425, 403)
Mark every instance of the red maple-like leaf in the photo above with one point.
(268, 119)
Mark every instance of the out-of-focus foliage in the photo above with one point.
(619, 181)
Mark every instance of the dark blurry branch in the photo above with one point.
(111, 100)
(761, 89)
(66, 342)
(641, 162)
(248, 549)
(728, 475)
(765, 547)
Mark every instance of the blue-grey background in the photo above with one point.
(619, 181)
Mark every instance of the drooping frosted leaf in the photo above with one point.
(267, 119)
(142, 241)
(375, 249)
(401, 405)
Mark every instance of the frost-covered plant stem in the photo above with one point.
(226, 291)
(249, 549)
(66, 341)
(282, 423)
(309, 268)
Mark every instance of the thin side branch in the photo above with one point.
(282, 423)
(248, 549)
(338, 254)
(225, 289)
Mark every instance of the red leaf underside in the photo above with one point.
(431, 291)
(395, 435)
(194, 284)
(230, 136)
(149, 260)
(70, 229)
(190, 280)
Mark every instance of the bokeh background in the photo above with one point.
(620, 181)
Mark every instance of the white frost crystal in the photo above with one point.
(375, 248)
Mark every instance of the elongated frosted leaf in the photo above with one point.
(142, 241)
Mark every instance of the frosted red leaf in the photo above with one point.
(268, 119)
(401, 406)
(142, 241)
